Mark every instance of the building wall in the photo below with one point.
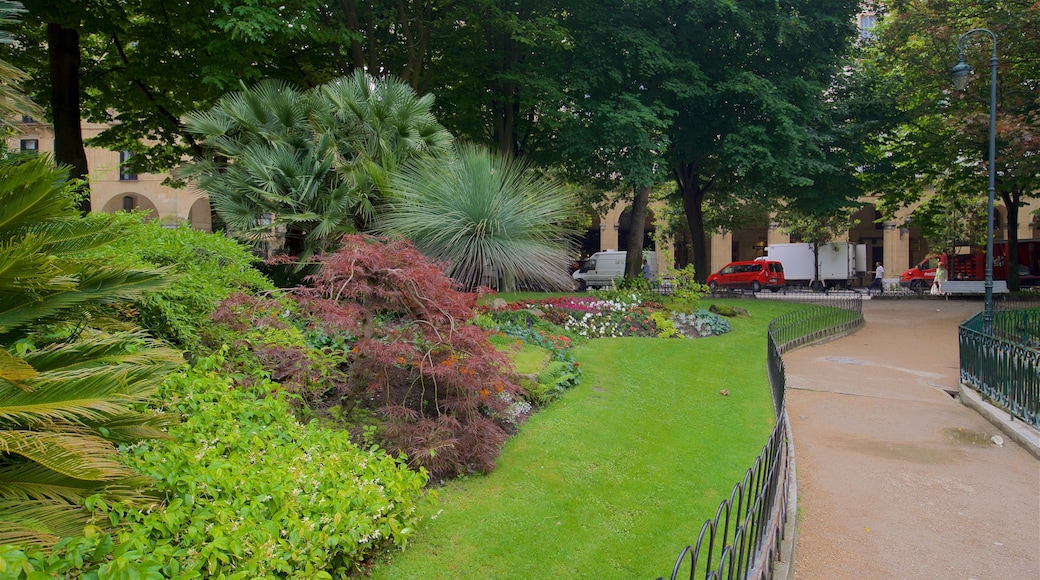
(110, 193)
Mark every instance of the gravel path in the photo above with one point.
(896, 478)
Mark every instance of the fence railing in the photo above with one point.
(743, 539)
(1002, 362)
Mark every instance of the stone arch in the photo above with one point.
(199, 216)
(130, 200)
(749, 243)
(625, 224)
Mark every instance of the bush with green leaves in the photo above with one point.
(248, 492)
(205, 269)
(699, 324)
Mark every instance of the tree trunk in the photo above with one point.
(816, 283)
(634, 259)
(64, 60)
(689, 185)
(1011, 201)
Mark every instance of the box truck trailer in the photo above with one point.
(840, 263)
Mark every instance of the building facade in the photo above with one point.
(112, 189)
(894, 242)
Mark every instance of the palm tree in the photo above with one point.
(491, 220)
(13, 102)
(309, 165)
(68, 392)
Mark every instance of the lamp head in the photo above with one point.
(961, 74)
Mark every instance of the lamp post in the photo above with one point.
(960, 73)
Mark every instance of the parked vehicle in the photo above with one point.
(840, 263)
(754, 274)
(602, 268)
(969, 263)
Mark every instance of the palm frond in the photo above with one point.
(73, 455)
(40, 523)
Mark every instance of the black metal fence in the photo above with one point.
(1002, 362)
(743, 540)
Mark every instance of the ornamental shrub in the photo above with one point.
(205, 269)
(699, 324)
(446, 398)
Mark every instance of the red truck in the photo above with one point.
(969, 263)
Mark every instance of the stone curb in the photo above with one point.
(1018, 431)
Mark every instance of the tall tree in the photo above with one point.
(614, 134)
(943, 137)
(146, 63)
(497, 73)
(747, 83)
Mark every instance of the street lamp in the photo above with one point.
(960, 73)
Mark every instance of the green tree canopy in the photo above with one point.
(941, 135)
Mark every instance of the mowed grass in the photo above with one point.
(616, 478)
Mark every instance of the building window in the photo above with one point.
(866, 22)
(124, 175)
(28, 119)
(29, 144)
(128, 203)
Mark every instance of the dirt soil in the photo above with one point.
(896, 478)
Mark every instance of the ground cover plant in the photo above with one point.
(249, 493)
(612, 480)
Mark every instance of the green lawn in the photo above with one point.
(615, 478)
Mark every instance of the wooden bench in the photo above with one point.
(973, 287)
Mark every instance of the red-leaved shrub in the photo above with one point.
(448, 397)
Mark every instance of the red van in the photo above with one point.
(755, 274)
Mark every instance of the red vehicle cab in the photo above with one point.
(755, 274)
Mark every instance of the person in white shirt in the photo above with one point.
(879, 275)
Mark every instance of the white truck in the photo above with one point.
(841, 263)
(602, 268)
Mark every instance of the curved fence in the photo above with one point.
(743, 539)
(1002, 360)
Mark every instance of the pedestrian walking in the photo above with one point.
(879, 275)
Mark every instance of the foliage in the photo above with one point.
(251, 493)
(664, 323)
(816, 227)
(561, 372)
(950, 221)
(68, 392)
(309, 165)
(685, 292)
(204, 269)
(12, 101)
(699, 324)
(447, 399)
(492, 220)
(939, 137)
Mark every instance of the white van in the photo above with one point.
(602, 268)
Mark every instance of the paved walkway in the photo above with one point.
(896, 478)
